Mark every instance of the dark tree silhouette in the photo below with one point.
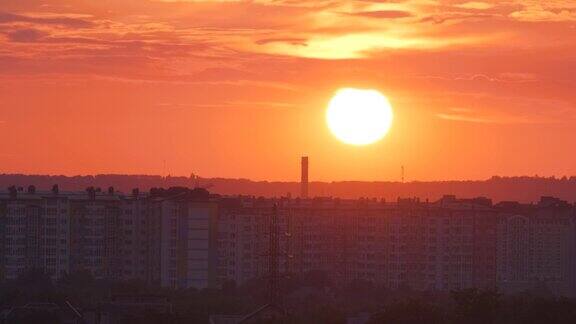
(476, 306)
(410, 311)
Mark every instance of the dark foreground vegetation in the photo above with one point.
(308, 298)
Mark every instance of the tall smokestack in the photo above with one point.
(304, 178)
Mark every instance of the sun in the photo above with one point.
(359, 116)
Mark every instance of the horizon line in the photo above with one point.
(194, 176)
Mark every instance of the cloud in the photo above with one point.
(476, 5)
(46, 20)
(284, 3)
(25, 35)
(506, 77)
(169, 40)
(537, 14)
(464, 118)
(442, 18)
(550, 10)
(473, 116)
(291, 41)
(331, 29)
(236, 104)
(493, 108)
(383, 14)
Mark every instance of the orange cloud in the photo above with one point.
(478, 5)
(553, 10)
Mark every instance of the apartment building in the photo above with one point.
(443, 245)
(139, 238)
(536, 246)
(188, 230)
(35, 233)
(438, 246)
(181, 238)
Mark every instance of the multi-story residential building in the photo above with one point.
(242, 238)
(139, 239)
(443, 245)
(35, 233)
(439, 246)
(536, 246)
(63, 232)
(180, 238)
(188, 252)
(96, 234)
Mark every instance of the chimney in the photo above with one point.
(55, 189)
(304, 177)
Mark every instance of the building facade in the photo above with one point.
(188, 251)
(536, 247)
(35, 233)
(185, 238)
(438, 246)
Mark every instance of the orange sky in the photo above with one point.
(239, 88)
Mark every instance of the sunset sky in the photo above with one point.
(240, 88)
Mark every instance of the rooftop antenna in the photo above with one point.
(402, 174)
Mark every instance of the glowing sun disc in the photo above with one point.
(359, 116)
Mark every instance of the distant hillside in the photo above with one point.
(525, 189)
